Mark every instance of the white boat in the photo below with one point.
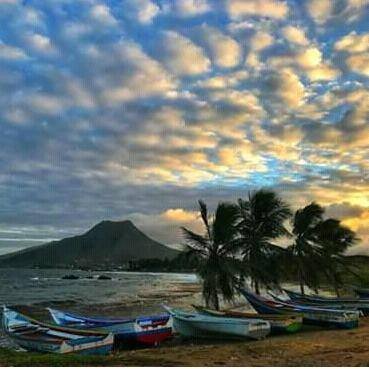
(201, 326)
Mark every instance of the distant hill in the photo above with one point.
(108, 243)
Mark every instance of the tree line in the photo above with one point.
(242, 240)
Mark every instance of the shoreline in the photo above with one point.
(313, 346)
(310, 347)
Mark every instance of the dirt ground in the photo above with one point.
(310, 347)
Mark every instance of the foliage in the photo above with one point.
(262, 218)
(216, 250)
(181, 263)
(303, 253)
(319, 247)
(240, 241)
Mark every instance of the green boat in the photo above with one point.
(279, 323)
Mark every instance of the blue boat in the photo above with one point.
(193, 325)
(313, 315)
(349, 303)
(33, 335)
(148, 330)
(361, 292)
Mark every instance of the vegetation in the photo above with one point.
(261, 220)
(28, 359)
(240, 242)
(304, 252)
(181, 263)
(319, 247)
(215, 249)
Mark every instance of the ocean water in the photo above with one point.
(46, 286)
(126, 294)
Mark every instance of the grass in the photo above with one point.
(123, 358)
(14, 358)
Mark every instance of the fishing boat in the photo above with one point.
(194, 325)
(312, 315)
(148, 330)
(361, 292)
(350, 303)
(278, 323)
(33, 335)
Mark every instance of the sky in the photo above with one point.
(135, 109)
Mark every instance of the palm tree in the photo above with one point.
(319, 247)
(303, 252)
(334, 239)
(216, 249)
(262, 218)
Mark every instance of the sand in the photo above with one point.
(310, 347)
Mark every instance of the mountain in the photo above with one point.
(108, 243)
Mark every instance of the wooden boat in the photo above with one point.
(201, 326)
(313, 315)
(278, 323)
(148, 330)
(350, 303)
(361, 292)
(33, 335)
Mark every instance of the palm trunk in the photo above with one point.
(300, 276)
(216, 301)
(337, 290)
(257, 290)
(302, 289)
(301, 282)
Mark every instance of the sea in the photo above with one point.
(124, 294)
(47, 286)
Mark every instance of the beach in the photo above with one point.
(312, 346)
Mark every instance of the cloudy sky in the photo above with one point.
(137, 108)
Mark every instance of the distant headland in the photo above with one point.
(107, 245)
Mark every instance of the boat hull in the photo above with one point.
(278, 323)
(311, 315)
(328, 302)
(200, 326)
(145, 331)
(362, 293)
(33, 335)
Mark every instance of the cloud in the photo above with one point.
(142, 10)
(320, 10)
(286, 85)
(258, 42)
(356, 48)
(181, 56)
(353, 43)
(239, 9)
(224, 80)
(309, 61)
(359, 64)
(295, 35)
(114, 110)
(224, 50)
(40, 43)
(323, 11)
(101, 14)
(261, 40)
(139, 77)
(11, 52)
(187, 8)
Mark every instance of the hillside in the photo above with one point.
(106, 244)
